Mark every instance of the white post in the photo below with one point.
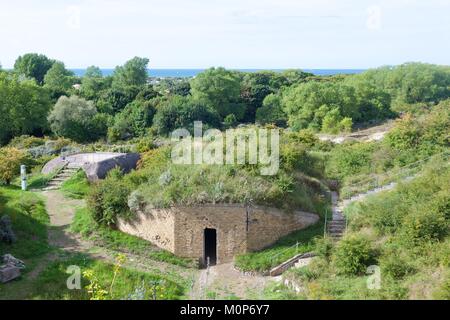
(23, 176)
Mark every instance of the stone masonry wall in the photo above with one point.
(181, 229)
(155, 225)
(229, 222)
(267, 225)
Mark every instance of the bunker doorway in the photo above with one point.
(210, 247)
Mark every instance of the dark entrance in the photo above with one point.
(210, 243)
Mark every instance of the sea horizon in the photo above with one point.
(192, 72)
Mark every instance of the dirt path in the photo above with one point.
(61, 211)
(225, 282)
(374, 133)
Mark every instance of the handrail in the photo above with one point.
(402, 169)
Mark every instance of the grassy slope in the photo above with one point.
(51, 283)
(408, 232)
(29, 222)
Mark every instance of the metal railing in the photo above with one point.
(390, 175)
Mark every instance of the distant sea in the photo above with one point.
(186, 73)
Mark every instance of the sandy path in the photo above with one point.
(224, 281)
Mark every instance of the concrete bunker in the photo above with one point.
(96, 165)
(217, 231)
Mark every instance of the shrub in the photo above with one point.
(230, 121)
(294, 156)
(108, 199)
(145, 144)
(352, 255)
(350, 159)
(10, 160)
(26, 142)
(396, 266)
(424, 225)
(323, 247)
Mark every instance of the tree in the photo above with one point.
(59, 79)
(133, 120)
(132, 73)
(24, 107)
(93, 83)
(77, 119)
(113, 100)
(33, 65)
(255, 87)
(271, 111)
(181, 112)
(220, 89)
(10, 160)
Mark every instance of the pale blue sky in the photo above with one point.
(229, 33)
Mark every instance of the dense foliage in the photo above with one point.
(24, 107)
(77, 119)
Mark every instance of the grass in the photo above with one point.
(51, 284)
(29, 223)
(281, 251)
(122, 242)
(77, 186)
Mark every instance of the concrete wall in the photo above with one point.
(181, 229)
(96, 164)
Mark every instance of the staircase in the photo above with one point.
(336, 227)
(64, 174)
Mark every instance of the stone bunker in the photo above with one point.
(218, 232)
(96, 165)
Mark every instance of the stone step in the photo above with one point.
(50, 188)
(69, 171)
(337, 224)
(71, 168)
(64, 175)
(57, 178)
(54, 183)
(335, 230)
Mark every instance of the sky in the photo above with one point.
(272, 34)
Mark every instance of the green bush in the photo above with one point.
(353, 255)
(323, 247)
(396, 266)
(425, 226)
(108, 199)
(145, 144)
